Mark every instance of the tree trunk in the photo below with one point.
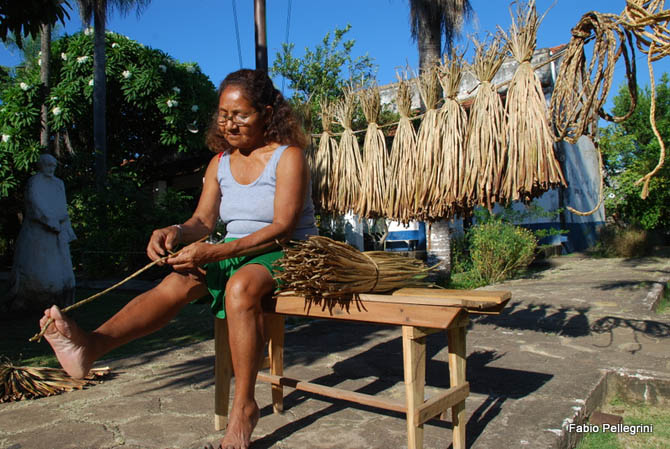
(429, 42)
(45, 69)
(99, 98)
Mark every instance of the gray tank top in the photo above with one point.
(246, 208)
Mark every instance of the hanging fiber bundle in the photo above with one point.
(581, 88)
(323, 185)
(320, 268)
(428, 142)
(375, 158)
(403, 160)
(448, 194)
(532, 167)
(24, 382)
(486, 129)
(347, 172)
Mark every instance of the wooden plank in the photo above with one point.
(372, 312)
(457, 357)
(275, 329)
(489, 296)
(442, 402)
(414, 362)
(336, 393)
(223, 372)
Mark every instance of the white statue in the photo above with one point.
(42, 271)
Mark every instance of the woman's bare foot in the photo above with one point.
(242, 422)
(69, 342)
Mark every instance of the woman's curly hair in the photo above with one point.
(283, 127)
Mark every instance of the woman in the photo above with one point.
(258, 183)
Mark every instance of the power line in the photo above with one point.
(288, 27)
(237, 33)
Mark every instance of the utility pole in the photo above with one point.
(261, 36)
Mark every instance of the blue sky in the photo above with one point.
(203, 31)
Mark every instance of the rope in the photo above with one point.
(376, 271)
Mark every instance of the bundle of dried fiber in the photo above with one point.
(320, 268)
(403, 160)
(428, 142)
(23, 382)
(375, 158)
(581, 88)
(324, 187)
(486, 129)
(448, 191)
(532, 168)
(650, 23)
(347, 170)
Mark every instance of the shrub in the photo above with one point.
(618, 241)
(499, 250)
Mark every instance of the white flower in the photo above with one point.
(176, 89)
(63, 56)
(88, 31)
(54, 98)
(195, 108)
(612, 195)
(5, 138)
(24, 86)
(90, 83)
(127, 74)
(163, 68)
(39, 53)
(114, 45)
(39, 62)
(56, 110)
(172, 103)
(190, 69)
(82, 59)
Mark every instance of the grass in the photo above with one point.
(633, 414)
(664, 305)
(193, 324)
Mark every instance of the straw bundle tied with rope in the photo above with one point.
(532, 168)
(347, 170)
(324, 161)
(403, 160)
(23, 382)
(320, 268)
(447, 197)
(428, 142)
(375, 158)
(486, 135)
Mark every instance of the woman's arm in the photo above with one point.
(200, 224)
(292, 181)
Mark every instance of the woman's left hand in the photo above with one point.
(192, 257)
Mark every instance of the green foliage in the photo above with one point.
(630, 151)
(114, 225)
(323, 72)
(618, 241)
(499, 250)
(24, 18)
(152, 100)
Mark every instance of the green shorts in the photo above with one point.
(219, 272)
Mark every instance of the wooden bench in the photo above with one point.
(419, 311)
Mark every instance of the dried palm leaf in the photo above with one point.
(375, 158)
(23, 382)
(347, 172)
(320, 268)
(532, 168)
(403, 160)
(323, 184)
(486, 136)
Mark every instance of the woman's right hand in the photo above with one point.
(161, 241)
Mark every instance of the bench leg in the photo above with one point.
(457, 355)
(223, 372)
(274, 325)
(414, 360)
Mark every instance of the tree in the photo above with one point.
(25, 18)
(630, 150)
(323, 72)
(98, 9)
(430, 20)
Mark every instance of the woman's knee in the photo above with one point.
(181, 287)
(246, 288)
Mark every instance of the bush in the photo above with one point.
(618, 241)
(499, 250)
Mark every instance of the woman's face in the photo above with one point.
(242, 125)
